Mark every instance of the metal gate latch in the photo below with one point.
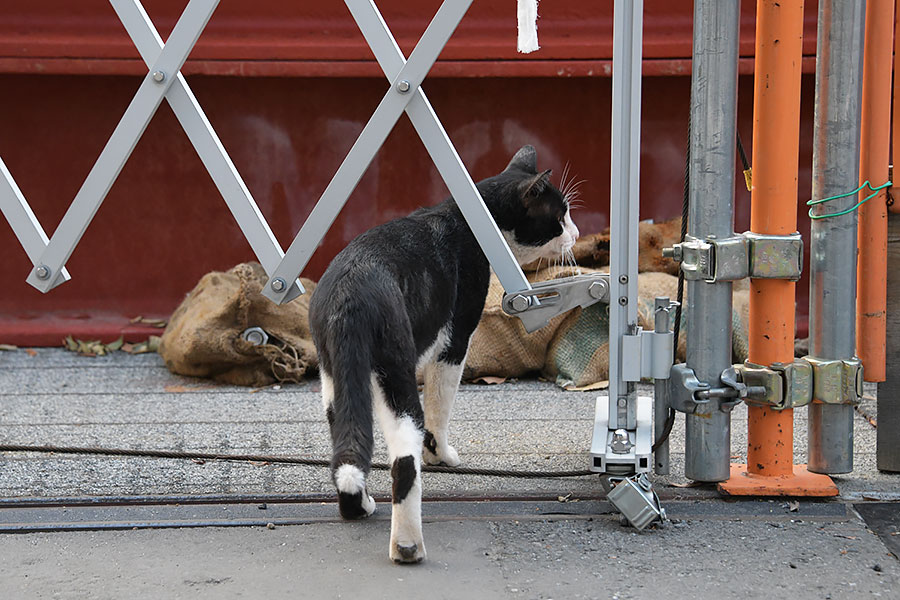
(547, 299)
(746, 255)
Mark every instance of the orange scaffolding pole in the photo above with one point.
(874, 154)
(773, 210)
(895, 128)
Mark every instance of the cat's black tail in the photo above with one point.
(350, 416)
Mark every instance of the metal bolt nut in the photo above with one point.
(42, 272)
(622, 402)
(256, 336)
(598, 289)
(279, 284)
(674, 253)
(403, 86)
(623, 279)
(519, 303)
(623, 300)
(159, 76)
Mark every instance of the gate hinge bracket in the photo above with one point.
(547, 299)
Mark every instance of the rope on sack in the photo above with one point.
(527, 14)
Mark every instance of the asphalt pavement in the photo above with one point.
(115, 527)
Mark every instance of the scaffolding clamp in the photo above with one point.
(686, 394)
(749, 254)
(784, 386)
(780, 386)
(836, 381)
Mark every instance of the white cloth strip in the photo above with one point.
(528, 38)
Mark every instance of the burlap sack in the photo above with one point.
(203, 337)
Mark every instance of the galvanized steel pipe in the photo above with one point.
(712, 165)
(832, 298)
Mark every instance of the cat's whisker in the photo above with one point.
(565, 173)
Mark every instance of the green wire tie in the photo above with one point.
(874, 193)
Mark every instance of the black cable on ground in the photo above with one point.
(265, 458)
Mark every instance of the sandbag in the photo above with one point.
(203, 337)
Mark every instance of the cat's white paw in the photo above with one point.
(407, 552)
(446, 455)
(368, 504)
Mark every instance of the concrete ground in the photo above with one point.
(509, 547)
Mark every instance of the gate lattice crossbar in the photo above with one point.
(404, 95)
(165, 81)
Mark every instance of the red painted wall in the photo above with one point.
(288, 86)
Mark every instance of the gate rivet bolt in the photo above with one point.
(403, 86)
(519, 303)
(279, 284)
(159, 76)
(623, 300)
(597, 290)
(42, 272)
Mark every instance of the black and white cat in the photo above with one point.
(404, 296)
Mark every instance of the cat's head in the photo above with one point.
(530, 211)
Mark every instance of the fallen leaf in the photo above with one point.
(151, 345)
(31, 352)
(688, 484)
(116, 345)
(597, 385)
(8, 347)
(793, 506)
(161, 323)
(488, 380)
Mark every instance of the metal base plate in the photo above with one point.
(637, 459)
(800, 483)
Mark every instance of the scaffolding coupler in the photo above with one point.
(804, 381)
(745, 255)
(780, 386)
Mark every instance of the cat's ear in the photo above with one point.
(524, 160)
(533, 186)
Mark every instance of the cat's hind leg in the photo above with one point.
(349, 466)
(400, 415)
(441, 384)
